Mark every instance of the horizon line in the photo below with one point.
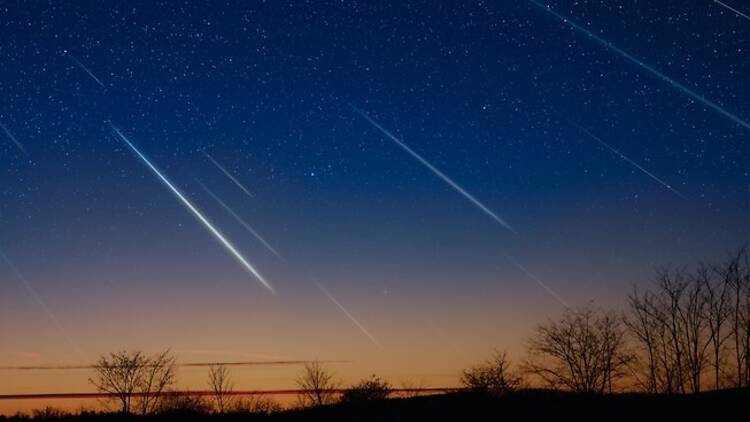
(206, 393)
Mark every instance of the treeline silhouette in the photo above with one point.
(684, 334)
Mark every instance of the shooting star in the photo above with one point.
(240, 220)
(624, 157)
(732, 9)
(228, 174)
(13, 138)
(86, 69)
(437, 172)
(609, 46)
(210, 227)
(350, 316)
(537, 280)
(40, 302)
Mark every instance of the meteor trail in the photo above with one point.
(39, 301)
(732, 9)
(86, 69)
(13, 138)
(239, 219)
(350, 316)
(183, 365)
(625, 158)
(437, 172)
(609, 46)
(213, 230)
(228, 174)
(537, 280)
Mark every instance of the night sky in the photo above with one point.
(602, 168)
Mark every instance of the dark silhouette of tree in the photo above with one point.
(671, 287)
(119, 375)
(584, 351)
(158, 374)
(695, 328)
(649, 334)
(317, 385)
(493, 376)
(690, 321)
(372, 388)
(221, 385)
(127, 374)
(737, 271)
(717, 288)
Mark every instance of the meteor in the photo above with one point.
(228, 174)
(537, 280)
(40, 302)
(210, 227)
(13, 138)
(625, 158)
(437, 172)
(350, 316)
(239, 219)
(609, 46)
(726, 6)
(86, 69)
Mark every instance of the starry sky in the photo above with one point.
(603, 169)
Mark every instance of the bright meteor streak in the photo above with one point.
(13, 138)
(625, 158)
(609, 46)
(726, 6)
(240, 220)
(538, 281)
(86, 69)
(350, 316)
(437, 172)
(213, 230)
(228, 174)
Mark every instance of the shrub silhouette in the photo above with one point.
(369, 389)
(493, 376)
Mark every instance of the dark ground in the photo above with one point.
(528, 404)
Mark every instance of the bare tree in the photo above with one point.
(671, 327)
(157, 375)
(695, 328)
(317, 385)
(671, 287)
(649, 335)
(119, 375)
(584, 351)
(493, 376)
(221, 385)
(737, 272)
(125, 375)
(717, 285)
(689, 322)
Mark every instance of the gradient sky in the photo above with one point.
(489, 93)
